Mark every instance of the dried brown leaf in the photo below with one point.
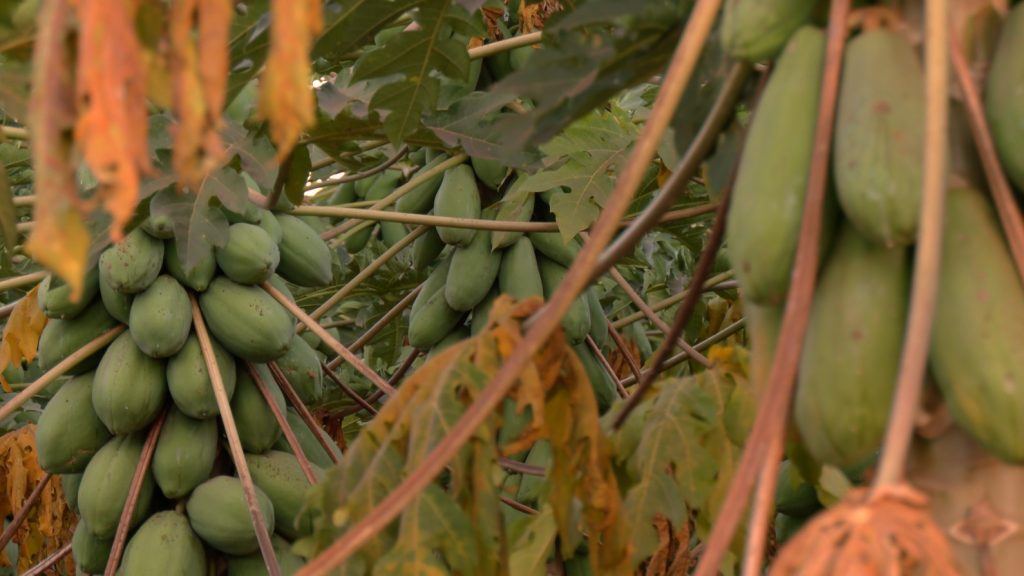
(286, 95)
(111, 96)
(887, 533)
(21, 333)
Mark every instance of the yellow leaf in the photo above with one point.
(21, 333)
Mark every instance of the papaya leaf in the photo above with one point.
(199, 224)
(21, 333)
(478, 124)
(351, 23)
(533, 547)
(657, 497)
(249, 43)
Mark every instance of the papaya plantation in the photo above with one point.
(511, 287)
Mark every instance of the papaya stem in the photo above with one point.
(348, 391)
(492, 48)
(259, 523)
(761, 511)
(390, 161)
(681, 357)
(606, 365)
(23, 280)
(709, 284)
(289, 434)
(300, 407)
(59, 370)
(26, 507)
(549, 317)
(17, 133)
(772, 414)
(928, 255)
(121, 536)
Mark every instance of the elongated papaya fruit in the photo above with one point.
(118, 304)
(515, 207)
(105, 483)
(491, 172)
(879, 137)
(62, 338)
(161, 318)
(91, 553)
(482, 312)
(552, 246)
(219, 515)
(158, 226)
(247, 320)
(130, 388)
(301, 366)
(426, 249)
(598, 319)
(764, 218)
(1004, 106)
(458, 197)
(281, 478)
(420, 199)
(756, 30)
(200, 276)
(134, 263)
(576, 322)
(253, 564)
(164, 544)
(184, 454)
(250, 255)
(860, 307)
(519, 276)
(69, 483)
(979, 325)
(604, 388)
(431, 318)
(457, 335)
(473, 270)
(271, 226)
(311, 447)
(257, 428)
(69, 432)
(189, 382)
(56, 299)
(305, 259)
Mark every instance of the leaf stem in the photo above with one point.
(620, 343)
(282, 421)
(605, 365)
(304, 413)
(673, 361)
(928, 252)
(709, 285)
(20, 281)
(505, 45)
(14, 132)
(761, 511)
(390, 315)
(348, 391)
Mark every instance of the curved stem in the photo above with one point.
(928, 253)
(549, 317)
(505, 45)
(348, 391)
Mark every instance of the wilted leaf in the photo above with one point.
(21, 333)
(286, 92)
(111, 95)
(478, 124)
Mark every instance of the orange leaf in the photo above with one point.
(21, 333)
(111, 94)
(286, 95)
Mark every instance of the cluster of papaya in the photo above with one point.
(853, 344)
(93, 430)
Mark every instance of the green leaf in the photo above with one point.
(349, 24)
(433, 522)
(657, 495)
(199, 226)
(478, 124)
(533, 547)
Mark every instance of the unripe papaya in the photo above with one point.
(515, 207)
(879, 137)
(767, 204)
(482, 312)
(69, 484)
(55, 300)
(69, 432)
(794, 495)
(978, 327)
(319, 345)
(247, 320)
(105, 483)
(552, 246)
(118, 304)
(391, 233)
(426, 249)
(161, 318)
(90, 552)
(219, 515)
(281, 478)
(184, 453)
(420, 199)
(311, 447)
(598, 319)
(305, 258)
(134, 263)
(787, 526)
(345, 193)
(257, 428)
(164, 544)
(458, 197)
(250, 213)
(282, 286)
(357, 241)
(605, 390)
(270, 225)
(363, 186)
(301, 366)
(473, 270)
(130, 388)
(860, 306)
(189, 382)
(383, 184)
(250, 255)
(576, 322)
(158, 226)
(519, 57)
(62, 338)
(457, 335)
(755, 30)
(1004, 106)
(431, 318)
(253, 565)
(202, 273)
(491, 172)
(519, 276)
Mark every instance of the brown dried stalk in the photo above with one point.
(304, 413)
(279, 416)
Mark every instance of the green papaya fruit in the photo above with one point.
(457, 335)
(519, 276)
(319, 224)
(219, 515)
(431, 318)
(482, 312)
(105, 483)
(491, 172)
(248, 321)
(787, 526)
(118, 304)
(310, 446)
(253, 565)
(271, 226)
(605, 390)
(860, 306)
(344, 193)
(62, 338)
(426, 249)
(69, 484)
(189, 382)
(134, 263)
(129, 388)
(363, 186)
(384, 184)
(978, 327)
(1004, 106)
(794, 495)
(531, 489)
(301, 366)
(69, 432)
(161, 318)
(90, 551)
(756, 30)
(458, 197)
(319, 345)
(767, 204)
(879, 137)
(282, 286)
(472, 272)
(158, 226)
(576, 322)
(391, 233)
(250, 213)
(598, 320)
(184, 454)
(357, 241)
(164, 544)
(281, 478)
(57, 300)
(554, 247)
(250, 255)
(420, 199)
(305, 258)
(200, 276)
(257, 428)
(519, 57)
(515, 207)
